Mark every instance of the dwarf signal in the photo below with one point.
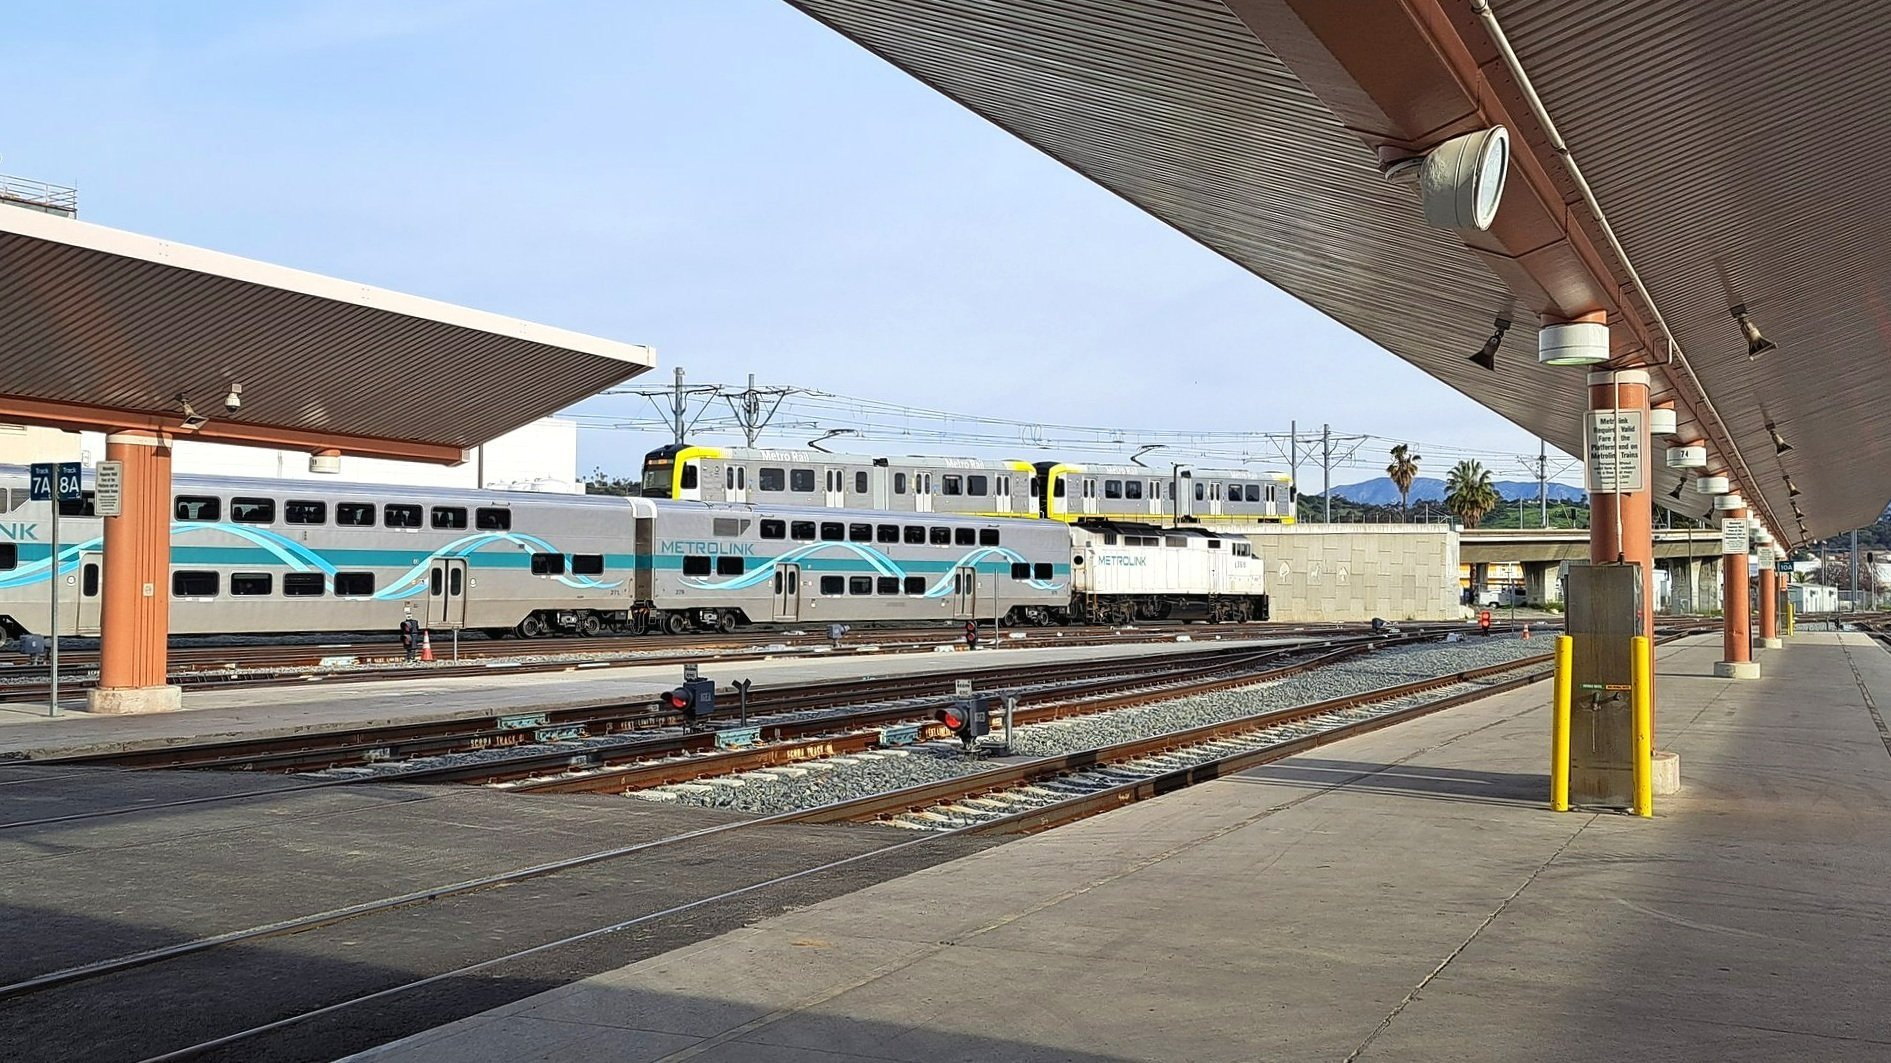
(695, 699)
(966, 718)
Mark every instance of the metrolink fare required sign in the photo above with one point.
(1614, 448)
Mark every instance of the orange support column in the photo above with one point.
(1737, 601)
(1621, 526)
(136, 597)
(1769, 608)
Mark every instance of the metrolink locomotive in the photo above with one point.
(267, 556)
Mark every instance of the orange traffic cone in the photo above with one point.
(426, 645)
(1526, 631)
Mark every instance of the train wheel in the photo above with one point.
(531, 628)
(674, 624)
(725, 621)
(590, 627)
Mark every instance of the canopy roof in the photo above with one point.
(106, 329)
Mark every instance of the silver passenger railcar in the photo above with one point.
(920, 484)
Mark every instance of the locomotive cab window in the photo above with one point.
(399, 516)
(1058, 487)
(9, 555)
(542, 565)
(305, 511)
(354, 584)
(1214, 544)
(302, 584)
(1177, 541)
(185, 584)
(247, 583)
(689, 476)
(774, 529)
(354, 514)
(587, 564)
(198, 507)
(449, 517)
(253, 510)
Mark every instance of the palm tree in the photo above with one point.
(1469, 493)
(1402, 471)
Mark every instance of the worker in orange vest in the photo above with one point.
(1483, 621)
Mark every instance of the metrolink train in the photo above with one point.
(264, 556)
(986, 487)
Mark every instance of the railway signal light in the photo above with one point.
(966, 719)
(694, 699)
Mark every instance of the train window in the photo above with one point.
(198, 507)
(829, 478)
(859, 584)
(542, 565)
(1112, 489)
(86, 505)
(833, 585)
(305, 511)
(456, 582)
(399, 516)
(193, 584)
(915, 535)
(978, 486)
(832, 531)
(1241, 550)
(888, 533)
(436, 586)
(587, 564)
(88, 581)
(771, 479)
(1175, 541)
(988, 536)
(802, 530)
(1214, 544)
(899, 483)
(1131, 489)
(1004, 485)
(9, 555)
(1041, 570)
(860, 483)
(1058, 489)
(859, 533)
(689, 476)
(965, 536)
(1253, 492)
(886, 585)
(451, 517)
(354, 584)
(940, 536)
(251, 582)
(354, 514)
(1271, 492)
(301, 584)
(924, 482)
(915, 584)
(774, 529)
(951, 484)
(730, 565)
(253, 510)
(726, 527)
(1109, 538)
(801, 480)
(1201, 492)
(1020, 570)
(728, 476)
(697, 565)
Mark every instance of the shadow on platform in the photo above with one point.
(1410, 780)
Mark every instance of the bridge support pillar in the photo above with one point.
(1539, 583)
(136, 593)
(1737, 631)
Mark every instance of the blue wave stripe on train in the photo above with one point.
(867, 559)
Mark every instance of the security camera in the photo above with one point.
(234, 400)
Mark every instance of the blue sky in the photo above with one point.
(725, 180)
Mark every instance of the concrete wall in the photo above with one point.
(542, 456)
(1359, 571)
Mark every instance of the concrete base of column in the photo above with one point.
(1737, 669)
(1667, 773)
(124, 701)
(1773, 644)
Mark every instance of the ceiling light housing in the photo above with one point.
(1691, 456)
(1462, 180)
(1573, 343)
(1711, 485)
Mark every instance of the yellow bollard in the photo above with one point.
(1559, 726)
(1644, 682)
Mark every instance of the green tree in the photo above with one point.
(1469, 492)
(1402, 471)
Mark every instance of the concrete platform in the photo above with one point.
(27, 731)
(1401, 896)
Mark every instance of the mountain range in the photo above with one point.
(1381, 492)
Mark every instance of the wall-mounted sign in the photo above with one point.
(1614, 444)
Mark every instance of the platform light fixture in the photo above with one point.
(192, 420)
(1573, 343)
(1462, 180)
(1678, 488)
(1486, 355)
(1791, 491)
(1780, 446)
(1756, 343)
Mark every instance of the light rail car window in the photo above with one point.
(1271, 495)
(1112, 489)
(400, 516)
(193, 584)
(832, 480)
(198, 507)
(354, 514)
(354, 584)
(9, 555)
(1041, 570)
(1201, 492)
(802, 530)
(771, 479)
(888, 533)
(977, 485)
(801, 480)
(899, 483)
(988, 536)
(697, 565)
(774, 529)
(731, 565)
(915, 584)
(251, 582)
(859, 584)
(253, 510)
(951, 484)
(1132, 489)
(859, 533)
(964, 537)
(587, 564)
(940, 536)
(689, 476)
(1060, 487)
(1253, 492)
(302, 584)
(304, 511)
(1020, 570)
(543, 565)
(887, 585)
(453, 517)
(860, 483)
(915, 535)
(833, 585)
(832, 531)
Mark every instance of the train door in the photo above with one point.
(91, 581)
(1214, 498)
(878, 476)
(1090, 495)
(922, 492)
(834, 489)
(965, 592)
(735, 483)
(446, 592)
(788, 592)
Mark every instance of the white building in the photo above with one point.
(542, 456)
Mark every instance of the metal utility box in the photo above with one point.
(1605, 612)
